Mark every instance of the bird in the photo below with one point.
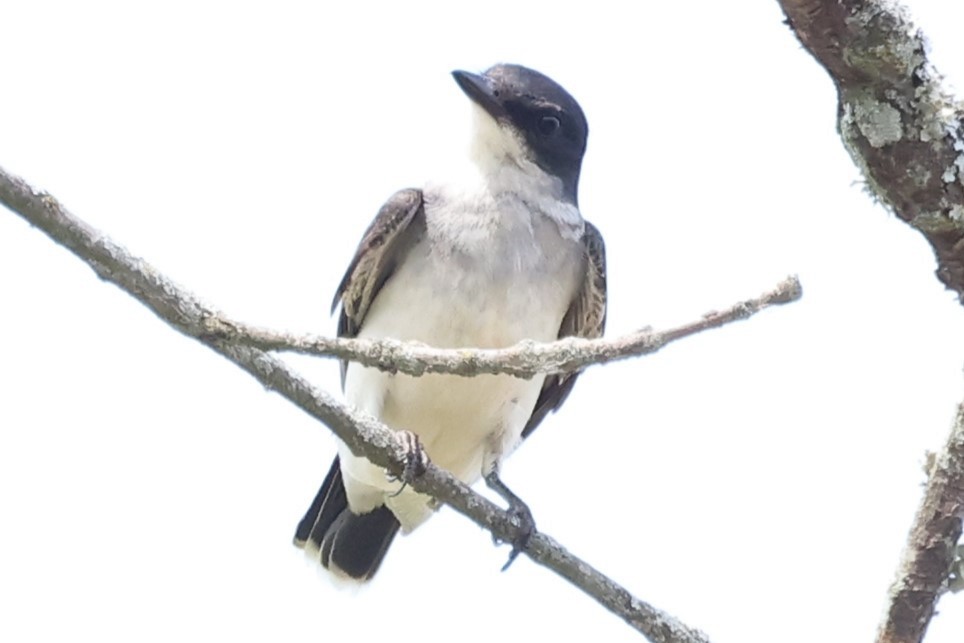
(500, 256)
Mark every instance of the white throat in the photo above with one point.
(499, 166)
(500, 155)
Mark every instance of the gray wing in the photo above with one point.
(586, 317)
(397, 226)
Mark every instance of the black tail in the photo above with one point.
(353, 544)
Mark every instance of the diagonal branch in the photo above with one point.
(931, 546)
(906, 135)
(522, 360)
(363, 435)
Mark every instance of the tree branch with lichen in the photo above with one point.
(901, 128)
(905, 133)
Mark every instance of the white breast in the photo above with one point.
(489, 273)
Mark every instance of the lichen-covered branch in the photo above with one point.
(905, 134)
(901, 129)
(364, 435)
(522, 360)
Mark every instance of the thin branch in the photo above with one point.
(906, 135)
(931, 553)
(522, 360)
(364, 435)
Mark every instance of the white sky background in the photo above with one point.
(756, 481)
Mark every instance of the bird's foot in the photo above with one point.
(519, 514)
(522, 517)
(416, 460)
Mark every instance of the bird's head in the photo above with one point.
(526, 119)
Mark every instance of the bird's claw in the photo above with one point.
(416, 460)
(518, 513)
(521, 516)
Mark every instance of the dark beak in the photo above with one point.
(480, 90)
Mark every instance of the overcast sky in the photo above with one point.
(756, 481)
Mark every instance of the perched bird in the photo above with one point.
(499, 258)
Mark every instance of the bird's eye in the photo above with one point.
(548, 125)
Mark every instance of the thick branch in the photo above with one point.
(931, 551)
(522, 360)
(899, 126)
(906, 136)
(364, 435)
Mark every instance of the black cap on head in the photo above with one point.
(545, 115)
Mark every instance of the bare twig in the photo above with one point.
(364, 435)
(522, 360)
(906, 135)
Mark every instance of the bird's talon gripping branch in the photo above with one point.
(520, 514)
(416, 460)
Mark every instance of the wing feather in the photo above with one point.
(586, 317)
(397, 226)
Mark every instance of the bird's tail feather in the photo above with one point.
(349, 544)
